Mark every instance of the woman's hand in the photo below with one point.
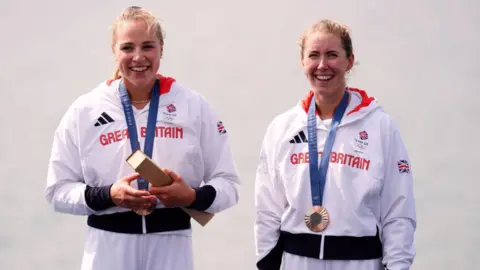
(124, 195)
(177, 194)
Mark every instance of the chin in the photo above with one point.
(324, 91)
(143, 81)
(328, 90)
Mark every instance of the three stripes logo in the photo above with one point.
(299, 138)
(104, 119)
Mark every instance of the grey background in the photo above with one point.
(419, 58)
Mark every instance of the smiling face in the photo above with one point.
(325, 63)
(137, 50)
(326, 56)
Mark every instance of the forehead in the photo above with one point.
(135, 30)
(321, 41)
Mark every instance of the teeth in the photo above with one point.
(324, 77)
(139, 69)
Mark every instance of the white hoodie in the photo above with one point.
(90, 146)
(369, 180)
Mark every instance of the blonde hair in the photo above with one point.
(137, 13)
(331, 27)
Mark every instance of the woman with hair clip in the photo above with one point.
(334, 187)
(132, 225)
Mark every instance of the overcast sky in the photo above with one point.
(419, 58)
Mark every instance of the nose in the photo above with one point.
(322, 63)
(138, 55)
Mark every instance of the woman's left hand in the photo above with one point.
(177, 194)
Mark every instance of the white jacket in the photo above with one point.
(369, 180)
(90, 146)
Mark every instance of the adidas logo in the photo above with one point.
(299, 138)
(104, 119)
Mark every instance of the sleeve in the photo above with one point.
(398, 214)
(221, 189)
(270, 203)
(65, 189)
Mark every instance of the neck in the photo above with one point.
(139, 93)
(326, 105)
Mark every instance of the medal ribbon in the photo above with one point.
(318, 173)
(132, 127)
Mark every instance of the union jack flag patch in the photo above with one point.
(221, 127)
(403, 166)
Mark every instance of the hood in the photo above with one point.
(359, 106)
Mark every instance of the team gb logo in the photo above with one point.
(171, 108)
(170, 113)
(362, 140)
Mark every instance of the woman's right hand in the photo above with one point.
(123, 195)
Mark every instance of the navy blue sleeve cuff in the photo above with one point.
(273, 260)
(98, 198)
(204, 198)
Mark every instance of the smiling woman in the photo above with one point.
(341, 197)
(132, 225)
(137, 44)
(326, 53)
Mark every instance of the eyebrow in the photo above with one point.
(143, 43)
(329, 51)
(332, 51)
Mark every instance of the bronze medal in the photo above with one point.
(145, 211)
(317, 219)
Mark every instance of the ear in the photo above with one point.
(302, 62)
(351, 61)
(113, 51)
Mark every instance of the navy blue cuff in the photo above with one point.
(98, 198)
(273, 260)
(204, 198)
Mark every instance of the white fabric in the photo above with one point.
(108, 250)
(188, 143)
(364, 187)
(294, 262)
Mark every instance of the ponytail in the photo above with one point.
(116, 75)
